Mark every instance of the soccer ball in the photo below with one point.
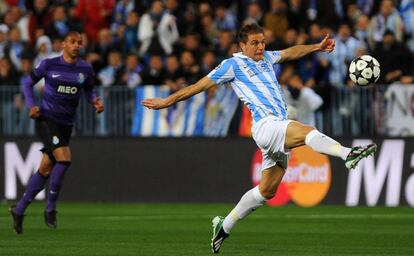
(364, 70)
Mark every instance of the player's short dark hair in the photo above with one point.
(248, 29)
(71, 33)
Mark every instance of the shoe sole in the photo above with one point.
(369, 151)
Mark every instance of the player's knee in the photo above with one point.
(67, 163)
(45, 172)
(268, 193)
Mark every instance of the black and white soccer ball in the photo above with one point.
(364, 70)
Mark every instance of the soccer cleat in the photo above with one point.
(218, 234)
(17, 220)
(50, 219)
(357, 153)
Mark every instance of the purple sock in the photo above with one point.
(56, 181)
(36, 184)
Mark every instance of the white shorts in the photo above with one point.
(269, 134)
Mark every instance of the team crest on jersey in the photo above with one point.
(263, 67)
(81, 78)
(55, 140)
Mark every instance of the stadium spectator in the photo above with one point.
(210, 29)
(133, 68)
(15, 48)
(360, 29)
(174, 77)
(270, 39)
(39, 18)
(94, 15)
(60, 24)
(8, 77)
(113, 73)
(407, 15)
(4, 30)
(297, 17)
(226, 39)
(8, 74)
(254, 14)
(395, 62)
(225, 19)
(43, 49)
(366, 6)
(24, 124)
(191, 42)
(209, 61)
(174, 8)
(154, 74)
(12, 16)
(191, 69)
(131, 44)
(120, 13)
(346, 49)
(387, 19)
(277, 15)
(190, 22)
(99, 53)
(302, 101)
(157, 31)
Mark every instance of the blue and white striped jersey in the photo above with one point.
(254, 82)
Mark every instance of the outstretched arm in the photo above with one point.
(298, 51)
(183, 94)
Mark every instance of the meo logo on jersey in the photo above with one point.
(67, 89)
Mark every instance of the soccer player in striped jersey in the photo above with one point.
(250, 73)
(65, 77)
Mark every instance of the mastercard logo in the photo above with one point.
(306, 181)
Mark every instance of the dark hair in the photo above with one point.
(71, 33)
(248, 29)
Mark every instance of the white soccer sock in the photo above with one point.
(249, 202)
(324, 144)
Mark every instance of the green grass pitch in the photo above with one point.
(185, 229)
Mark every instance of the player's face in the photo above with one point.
(72, 45)
(254, 47)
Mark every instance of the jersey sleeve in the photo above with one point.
(40, 70)
(273, 56)
(223, 73)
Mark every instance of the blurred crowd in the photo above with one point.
(175, 42)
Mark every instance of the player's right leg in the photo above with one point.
(36, 184)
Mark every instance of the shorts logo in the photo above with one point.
(81, 78)
(55, 140)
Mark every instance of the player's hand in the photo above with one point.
(156, 103)
(98, 105)
(327, 45)
(34, 112)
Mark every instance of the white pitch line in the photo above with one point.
(258, 216)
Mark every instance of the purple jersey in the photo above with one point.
(63, 85)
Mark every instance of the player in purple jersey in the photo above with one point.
(65, 76)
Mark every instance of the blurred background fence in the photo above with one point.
(378, 110)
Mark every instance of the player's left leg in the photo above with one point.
(63, 161)
(250, 201)
(298, 134)
(36, 184)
